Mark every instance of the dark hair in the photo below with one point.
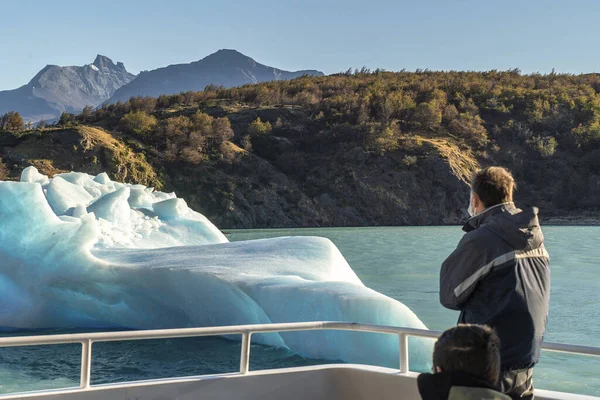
(474, 349)
(493, 185)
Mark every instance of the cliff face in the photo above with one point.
(355, 189)
(255, 190)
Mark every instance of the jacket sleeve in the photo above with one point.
(461, 271)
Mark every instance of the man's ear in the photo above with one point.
(438, 370)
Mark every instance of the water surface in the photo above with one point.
(402, 263)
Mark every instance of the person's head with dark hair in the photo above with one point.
(473, 349)
(489, 187)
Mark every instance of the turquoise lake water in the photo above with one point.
(402, 263)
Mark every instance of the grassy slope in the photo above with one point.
(83, 148)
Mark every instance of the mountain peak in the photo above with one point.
(56, 89)
(227, 56)
(103, 62)
(226, 67)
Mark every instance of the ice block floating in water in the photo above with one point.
(79, 251)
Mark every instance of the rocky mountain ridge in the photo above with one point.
(228, 68)
(56, 89)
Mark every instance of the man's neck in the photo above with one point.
(475, 221)
(494, 206)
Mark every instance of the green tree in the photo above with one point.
(86, 114)
(587, 134)
(428, 115)
(384, 138)
(469, 127)
(66, 119)
(222, 129)
(15, 122)
(449, 114)
(138, 122)
(11, 121)
(546, 146)
(257, 127)
(202, 123)
(179, 126)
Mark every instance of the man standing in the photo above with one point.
(499, 276)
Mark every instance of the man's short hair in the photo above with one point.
(493, 185)
(474, 349)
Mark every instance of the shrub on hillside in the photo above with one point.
(449, 114)
(221, 129)
(202, 123)
(383, 138)
(409, 160)
(3, 171)
(587, 134)
(11, 121)
(67, 119)
(257, 127)
(138, 122)
(194, 138)
(179, 127)
(470, 128)
(146, 104)
(546, 146)
(428, 115)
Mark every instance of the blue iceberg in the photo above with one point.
(81, 251)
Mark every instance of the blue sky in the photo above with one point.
(533, 35)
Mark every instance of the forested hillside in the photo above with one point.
(353, 149)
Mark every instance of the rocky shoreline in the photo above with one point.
(571, 221)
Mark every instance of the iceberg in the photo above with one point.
(81, 251)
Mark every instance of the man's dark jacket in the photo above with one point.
(499, 276)
(456, 386)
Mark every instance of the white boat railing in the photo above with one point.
(87, 339)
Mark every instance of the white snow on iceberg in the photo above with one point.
(79, 251)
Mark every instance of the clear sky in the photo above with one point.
(533, 35)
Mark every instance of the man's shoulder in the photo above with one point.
(478, 237)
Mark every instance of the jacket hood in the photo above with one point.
(437, 386)
(519, 228)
